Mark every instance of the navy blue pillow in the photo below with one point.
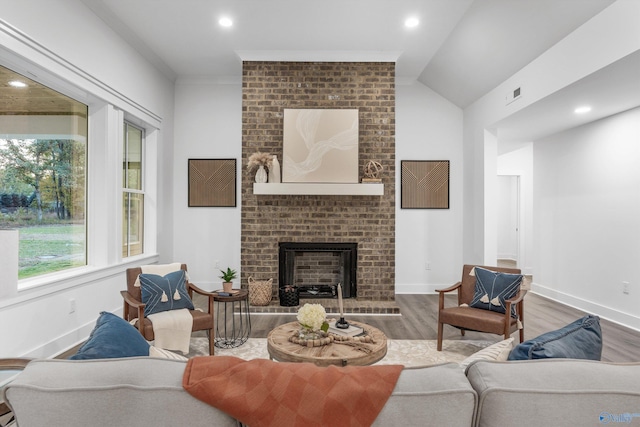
(112, 337)
(164, 293)
(493, 288)
(581, 339)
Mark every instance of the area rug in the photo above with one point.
(410, 353)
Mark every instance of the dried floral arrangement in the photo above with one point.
(259, 159)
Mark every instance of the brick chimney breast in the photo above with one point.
(267, 89)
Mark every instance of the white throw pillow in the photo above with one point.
(164, 354)
(498, 351)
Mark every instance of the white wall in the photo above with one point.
(603, 40)
(587, 217)
(67, 47)
(608, 37)
(508, 217)
(208, 124)
(428, 127)
(68, 29)
(520, 163)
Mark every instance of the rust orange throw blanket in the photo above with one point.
(261, 392)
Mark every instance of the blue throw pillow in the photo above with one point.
(581, 339)
(112, 337)
(493, 288)
(164, 293)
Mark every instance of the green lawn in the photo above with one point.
(45, 249)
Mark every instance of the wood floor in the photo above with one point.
(418, 321)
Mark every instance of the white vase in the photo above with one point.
(261, 175)
(274, 172)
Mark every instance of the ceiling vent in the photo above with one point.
(513, 95)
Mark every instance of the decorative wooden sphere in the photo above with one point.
(372, 170)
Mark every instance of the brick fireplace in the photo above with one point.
(267, 89)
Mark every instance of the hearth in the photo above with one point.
(316, 268)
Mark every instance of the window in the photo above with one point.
(133, 191)
(43, 159)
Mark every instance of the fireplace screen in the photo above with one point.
(317, 268)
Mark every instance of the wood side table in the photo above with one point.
(233, 327)
(337, 353)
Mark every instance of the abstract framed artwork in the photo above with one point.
(425, 184)
(320, 145)
(212, 183)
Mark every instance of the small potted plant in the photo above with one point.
(227, 277)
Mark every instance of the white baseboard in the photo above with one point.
(602, 311)
(65, 342)
(62, 343)
(419, 288)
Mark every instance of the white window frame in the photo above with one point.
(107, 110)
(127, 190)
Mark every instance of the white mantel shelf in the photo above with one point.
(314, 189)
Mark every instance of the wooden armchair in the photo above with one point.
(134, 308)
(477, 319)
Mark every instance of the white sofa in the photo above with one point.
(145, 391)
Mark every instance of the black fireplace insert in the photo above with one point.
(317, 268)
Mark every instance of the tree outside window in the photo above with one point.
(43, 141)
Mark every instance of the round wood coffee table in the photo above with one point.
(337, 353)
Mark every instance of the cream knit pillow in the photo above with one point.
(164, 354)
(498, 351)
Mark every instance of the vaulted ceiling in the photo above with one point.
(461, 48)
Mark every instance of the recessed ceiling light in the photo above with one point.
(225, 21)
(17, 83)
(411, 22)
(582, 110)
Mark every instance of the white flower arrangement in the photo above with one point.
(313, 316)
